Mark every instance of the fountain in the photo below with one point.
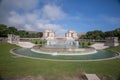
(65, 48)
(67, 45)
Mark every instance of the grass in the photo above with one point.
(38, 41)
(85, 44)
(116, 49)
(13, 67)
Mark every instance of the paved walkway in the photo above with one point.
(99, 46)
(26, 44)
(92, 77)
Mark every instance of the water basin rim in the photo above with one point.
(12, 52)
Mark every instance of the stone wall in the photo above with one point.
(111, 41)
(13, 39)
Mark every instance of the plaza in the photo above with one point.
(60, 40)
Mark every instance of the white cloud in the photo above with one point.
(6, 6)
(52, 12)
(60, 32)
(15, 19)
(112, 20)
(19, 4)
(29, 27)
(31, 18)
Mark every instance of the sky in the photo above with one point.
(61, 15)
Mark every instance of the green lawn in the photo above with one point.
(38, 41)
(12, 67)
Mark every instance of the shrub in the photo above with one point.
(83, 44)
(36, 42)
(89, 43)
(41, 42)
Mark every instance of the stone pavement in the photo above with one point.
(92, 77)
(99, 46)
(25, 44)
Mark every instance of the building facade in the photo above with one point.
(49, 34)
(71, 35)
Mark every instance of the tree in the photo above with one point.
(23, 33)
(3, 30)
(39, 34)
(109, 34)
(83, 37)
(96, 34)
(117, 32)
(12, 30)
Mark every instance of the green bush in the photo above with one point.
(41, 42)
(83, 44)
(79, 43)
(36, 42)
(89, 43)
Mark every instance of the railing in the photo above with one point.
(92, 40)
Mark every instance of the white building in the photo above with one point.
(49, 34)
(69, 39)
(71, 35)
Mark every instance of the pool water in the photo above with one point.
(100, 54)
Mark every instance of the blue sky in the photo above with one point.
(85, 15)
(61, 15)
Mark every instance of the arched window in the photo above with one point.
(48, 34)
(72, 34)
